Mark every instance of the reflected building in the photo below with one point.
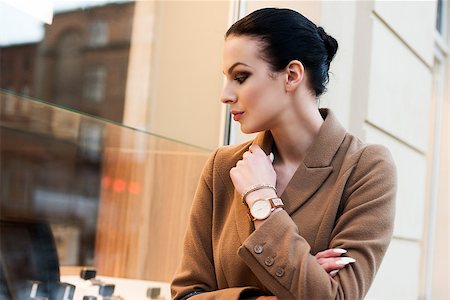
(50, 170)
(52, 163)
(17, 63)
(81, 63)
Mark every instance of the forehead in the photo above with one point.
(241, 49)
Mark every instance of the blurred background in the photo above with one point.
(109, 109)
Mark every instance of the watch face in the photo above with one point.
(261, 209)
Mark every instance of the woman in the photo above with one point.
(316, 222)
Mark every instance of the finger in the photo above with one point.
(239, 163)
(330, 264)
(246, 154)
(333, 273)
(327, 260)
(335, 252)
(233, 173)
(256, 149)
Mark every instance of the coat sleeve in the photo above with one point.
(364, 228)
(195, 277)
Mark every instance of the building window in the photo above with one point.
(94, 84)
(98, 33)
(25, 90)
(91, 134)
(441, 17)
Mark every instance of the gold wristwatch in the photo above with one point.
(262, 208)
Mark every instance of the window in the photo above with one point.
(91, 134)
(94, 84)
(98, 33)
(441, 17)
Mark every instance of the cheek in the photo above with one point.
(254, 92)
(253, 96)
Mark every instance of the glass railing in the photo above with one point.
(114, 59)
(80, 195)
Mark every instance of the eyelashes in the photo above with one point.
(241, 77)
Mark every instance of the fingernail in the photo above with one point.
(339, 250)
(333, 273)
(345, 261)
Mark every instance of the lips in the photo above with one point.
(237, 115)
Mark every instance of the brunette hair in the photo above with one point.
(287, 35)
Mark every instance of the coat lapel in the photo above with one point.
(305, 182)
(316, 167)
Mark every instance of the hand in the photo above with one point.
(254, 168)
(331, 260)
(266, 298)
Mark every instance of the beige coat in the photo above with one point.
(342, 195)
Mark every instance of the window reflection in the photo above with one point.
(94, 83)
(79, 191)
(98, 33)
(17, 67)
(67, 58)
(81, 53)
(107, 192)
(51, 169)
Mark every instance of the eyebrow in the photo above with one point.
(235, 65)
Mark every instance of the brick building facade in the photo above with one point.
(17, 67)
(81, 63)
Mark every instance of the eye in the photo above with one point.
(241, 77)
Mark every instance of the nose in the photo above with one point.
(228, 96)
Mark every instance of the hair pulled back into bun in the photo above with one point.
(287, 35)
(330, 43)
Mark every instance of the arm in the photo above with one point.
(196, 272)
(364, 228)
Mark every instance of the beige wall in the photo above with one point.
(176, 70)
(187, 71)
(137, 92)
(440, 288)
(441, 255)
(398, 79)
(342, 28)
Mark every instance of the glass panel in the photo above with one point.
(152, 65)
(80, 191)
(87, 40)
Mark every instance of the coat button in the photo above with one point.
(269, 261)
(258, 249)
(280, 272)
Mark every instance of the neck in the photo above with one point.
(293, 138)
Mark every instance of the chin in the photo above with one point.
(248, 130)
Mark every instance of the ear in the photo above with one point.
(295, 72)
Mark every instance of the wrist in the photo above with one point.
(255, 188)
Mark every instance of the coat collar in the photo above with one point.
(315, 168)
(326, 144)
